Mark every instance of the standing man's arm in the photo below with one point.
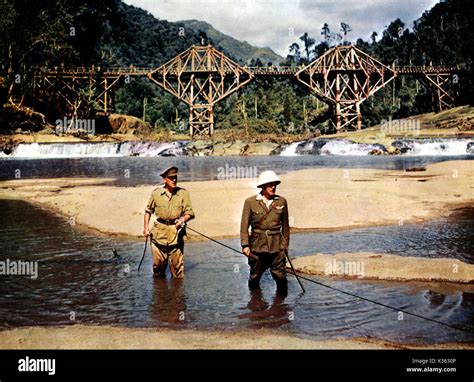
(244, 229)
(188, 212)
(285, 225)
(146, 221)
(149, 209)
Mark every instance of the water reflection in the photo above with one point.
(435, 299)
(169, 301)
(264, 314)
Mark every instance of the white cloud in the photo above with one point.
(270, 22)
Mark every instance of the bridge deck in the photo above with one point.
(257, 71)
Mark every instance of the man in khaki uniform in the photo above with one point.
(172, 207)
(267, 216)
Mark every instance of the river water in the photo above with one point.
(81, 282)
(130, 171)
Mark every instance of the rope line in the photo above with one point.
(349, 293)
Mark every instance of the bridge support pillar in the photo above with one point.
(345, 116)
(344, 77)
(440, 84)
(359, 116)
(201, 121)
(105, 93)
(201, 76)
(88, 88)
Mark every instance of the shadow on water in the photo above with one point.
(80, 282)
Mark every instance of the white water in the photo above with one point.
(68, 150)
(101, 149)
(411, 147)
(422, 147)
(343, 147)
(290, 151)
(438, 147)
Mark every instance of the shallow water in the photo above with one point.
(129, 171)
(81, 282)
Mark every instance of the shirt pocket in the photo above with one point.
(276, 216)
(278, 210)
(256, 215)
(177, 205)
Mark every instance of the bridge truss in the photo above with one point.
(344, 77)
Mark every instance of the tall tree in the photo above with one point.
(373, 37)
(326, 32)
(345, 29)
(295, 52)
(308, 43)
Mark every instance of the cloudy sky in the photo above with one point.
(278, 23)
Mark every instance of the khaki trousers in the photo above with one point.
(162, 254)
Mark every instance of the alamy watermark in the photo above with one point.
(75, 125)
(236, 172)
(345, 268)
(46, 365)
(19, 268)
(408, 127)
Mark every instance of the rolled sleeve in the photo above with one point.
(151, 205)
(187, 206)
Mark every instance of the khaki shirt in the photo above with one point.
(276, 219)
(168, 208)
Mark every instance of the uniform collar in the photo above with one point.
(163, 190)
(260, 197)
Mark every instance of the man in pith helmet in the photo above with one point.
(266, 214)
(172, 206)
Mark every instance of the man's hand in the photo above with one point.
(246, 251)
(179, 222)
(146, 221)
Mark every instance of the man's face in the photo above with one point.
(171, 182)
(269, 190)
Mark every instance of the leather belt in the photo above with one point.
(166, 221)
(267, 232)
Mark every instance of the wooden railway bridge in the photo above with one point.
(201, 76)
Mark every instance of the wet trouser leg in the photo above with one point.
(276, 262)
(278, 270)
(177, 261)
(163, 253)
(257, 267)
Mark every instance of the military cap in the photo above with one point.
(170, 171)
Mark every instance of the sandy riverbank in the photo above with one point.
(318, 199)
(376, 266)
(105, 337)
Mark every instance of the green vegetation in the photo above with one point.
(241, 51)
(69, 33)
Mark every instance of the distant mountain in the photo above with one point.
(134, 36)
(242, 51)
